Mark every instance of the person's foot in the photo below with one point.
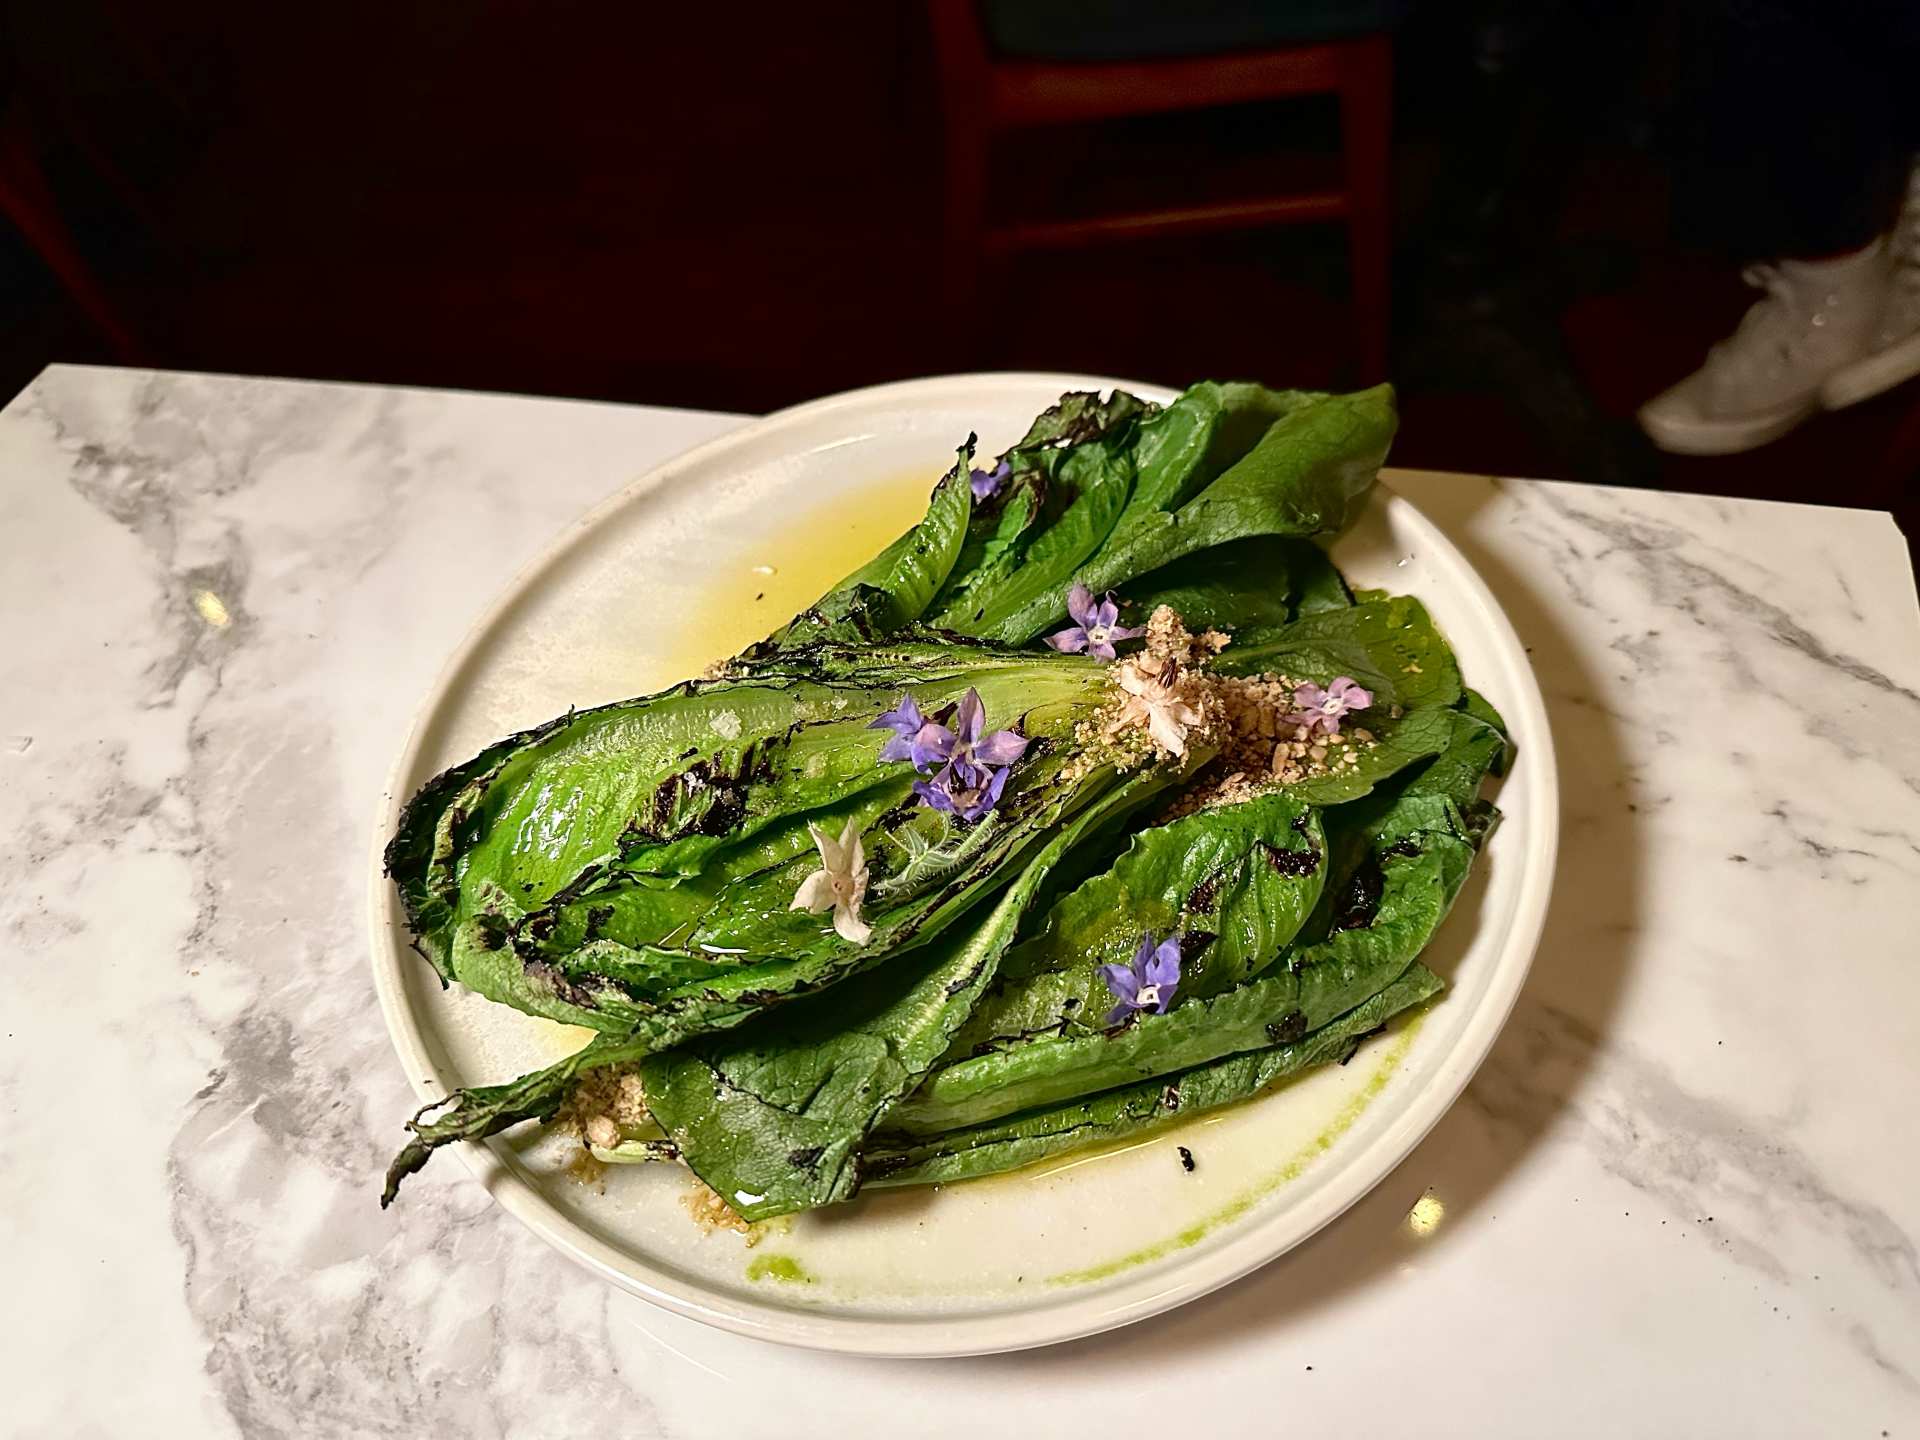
(1893, 352)
(1817, 317)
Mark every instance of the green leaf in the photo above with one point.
(1317, 584)
(895, 586)
(1411, 858)
(1098, 476)
(1132, 1110)
(1244, 583)
(484, 1110)
(1185, 447)
(1390, 646)
(1308, 473)
(772, 1118)
(1478, 706)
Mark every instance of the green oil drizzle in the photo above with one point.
(1295, 1167)
(778, 1267)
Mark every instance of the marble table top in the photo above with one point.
(1681, 1198)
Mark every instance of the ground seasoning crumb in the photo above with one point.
(606, 1106)
(712, 1213)
(583, 1169)
(1167, 696)
(1186, 1159)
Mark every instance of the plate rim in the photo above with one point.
(1117, 1303)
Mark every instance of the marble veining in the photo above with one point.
(1681, 1197)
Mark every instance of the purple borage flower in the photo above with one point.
(913, 735)
(968, 791)
(964, 744)
(974, 763)
(1322, 710)
(1095, 629)
(1149, 982)
(987, 483)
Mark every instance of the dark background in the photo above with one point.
(737, 207)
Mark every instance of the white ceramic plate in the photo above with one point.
(624, 603)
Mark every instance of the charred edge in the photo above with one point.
(807, 1158)
(1353, 1045)
(480, 769)
(972, 975)
(877, 1167)
(1361, 902)
(1288, 1028)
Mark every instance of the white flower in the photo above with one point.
(840, 885)
(1156, 702)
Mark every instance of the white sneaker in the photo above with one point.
(1893, 354)
(1817, 317)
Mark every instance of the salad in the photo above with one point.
(1095, 801)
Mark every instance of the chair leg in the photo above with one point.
(961, 48)
(1366, 133)
(26, 199)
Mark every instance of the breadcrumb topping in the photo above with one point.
(1169, 695)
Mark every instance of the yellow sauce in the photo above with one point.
(775, 581)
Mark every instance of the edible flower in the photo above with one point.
(1322, 709)
(964, 744)
(1149, 982)
(908, 726)
(1156, 702)
(987, 483)
(1095, 629)
(968, 791)
(840, 884)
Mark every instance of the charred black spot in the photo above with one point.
(597, 918)
(1072, 1002)
(1406, 848)
(1186, 1159)
(806, 1159)
(1361, 901)
(489, 936)
(1170, 1097)
(1291, 863)
(1288, 1028)
(1203, 895)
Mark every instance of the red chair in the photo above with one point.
(985, 96)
